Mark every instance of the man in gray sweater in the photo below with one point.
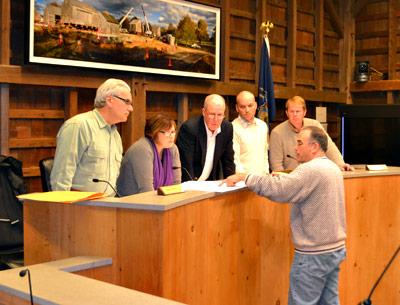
(315, 190)
(283, 138)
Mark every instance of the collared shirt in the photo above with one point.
(283, 140)
(250, 143)
(208, 163)
(87, 148)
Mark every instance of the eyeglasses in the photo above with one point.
(299, 143)
(168, 133)
(218, 116)
(125, 100)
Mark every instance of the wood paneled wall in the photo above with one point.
(311, 54)
(377, 41)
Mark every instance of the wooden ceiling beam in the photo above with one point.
(334, 17)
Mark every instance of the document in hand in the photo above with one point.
(62, 196)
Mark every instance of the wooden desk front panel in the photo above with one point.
(373, 235)
(230, 249)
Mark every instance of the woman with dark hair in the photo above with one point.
(153, 160)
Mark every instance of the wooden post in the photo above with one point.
(226, 40)
(71, 103)
(392, 47)
(133, 129)
(291, 44)
(183, 108)
(260, 18)
(347, 47)
(4, 118)
(5, 12)
(319, 45)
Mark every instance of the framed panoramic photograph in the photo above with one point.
(170, 37)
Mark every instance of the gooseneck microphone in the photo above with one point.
(186, 171)
(108, 183)
(368, 300)
(22, 273)
(291, 157)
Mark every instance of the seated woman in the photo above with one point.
(153, 160)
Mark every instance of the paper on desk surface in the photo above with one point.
(211, 186)
(62, 196)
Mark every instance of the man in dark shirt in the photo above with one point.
(205, 143)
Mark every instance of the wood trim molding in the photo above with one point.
(32, 142)
(375, 86)
(36, 114)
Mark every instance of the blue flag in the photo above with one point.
(266, 97)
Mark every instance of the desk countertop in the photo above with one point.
(150, 201)
(390, 171)
(52, 283)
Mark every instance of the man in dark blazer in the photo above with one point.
(205, 143)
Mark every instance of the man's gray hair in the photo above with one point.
(213, 99)
(110, 87)
(318, 135)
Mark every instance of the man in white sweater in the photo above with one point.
(250, 137)
(315, 190)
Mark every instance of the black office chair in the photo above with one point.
(11, 214)
(45, 166)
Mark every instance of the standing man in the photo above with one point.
(205, 143)
(89, 145)
(283, 138)
(315, 190)
(250, 137)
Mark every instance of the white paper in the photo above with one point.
(320, 114)
(211, 186)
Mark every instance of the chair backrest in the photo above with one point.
(45, 166)
(11, 216)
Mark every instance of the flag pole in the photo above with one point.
(266, 26)
(266, 97)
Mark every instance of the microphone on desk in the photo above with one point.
(105, 181)
(22, 273)
(186, 171)
(291, 157)
(368, 300)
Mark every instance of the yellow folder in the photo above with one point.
(62, 196)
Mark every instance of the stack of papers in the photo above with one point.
(62, 196)
(211, 186)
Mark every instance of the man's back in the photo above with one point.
(316, 191)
